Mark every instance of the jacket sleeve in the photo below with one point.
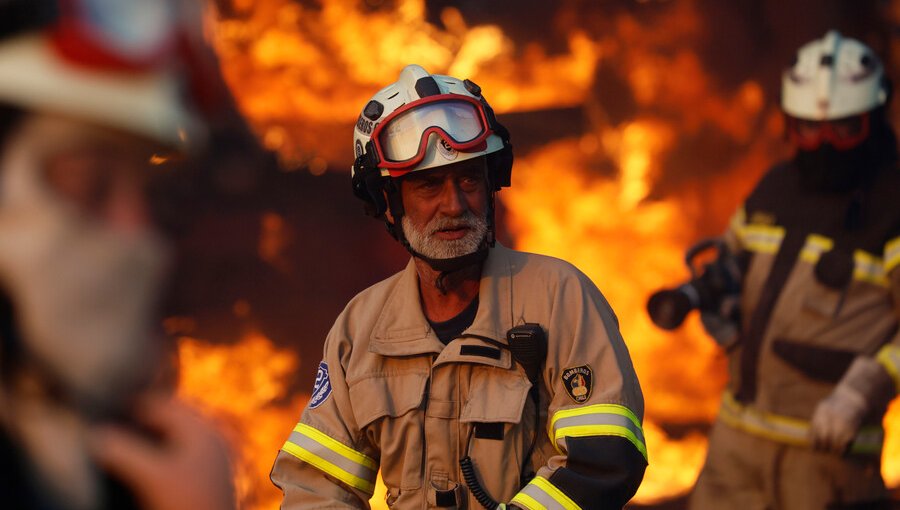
(889, 355)
(595, 410)
(326, 463)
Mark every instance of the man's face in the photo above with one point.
(446, 209)
(80, 256)
(100, 173)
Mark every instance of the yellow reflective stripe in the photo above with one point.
(595, 409)
(597, 420)
(332, 457)
(889, 357)
(891, 254)
(869, 268)
(784, 429)
(336, 446)
(540, 494)
(815, 246)
(527, 502)
(763, 239)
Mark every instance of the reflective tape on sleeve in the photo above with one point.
(891, 254)
(762, 239)
(540, 494)
(869, 268)
(332, 457)
(815, 246)
(597, 420)
(889, 357)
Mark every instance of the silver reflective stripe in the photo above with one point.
(320, 452)
(540, 494)
(594, 425)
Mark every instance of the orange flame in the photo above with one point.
(300, 74)
(245, 385)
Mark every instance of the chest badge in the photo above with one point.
(579, 382)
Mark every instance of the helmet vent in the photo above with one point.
(426, 86)
(373, 110)
(827, 61)
(867, 61)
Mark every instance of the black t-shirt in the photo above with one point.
(447, 330)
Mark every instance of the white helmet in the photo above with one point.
(833, 78)
(106, 61)
(424, 121)
(420, 122)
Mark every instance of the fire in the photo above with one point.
(245, 386)
(301, 73)
(605, 200)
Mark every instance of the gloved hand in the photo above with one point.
(724, 331)
(836, 420)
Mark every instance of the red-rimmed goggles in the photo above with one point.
(400, 141)
(843, 134)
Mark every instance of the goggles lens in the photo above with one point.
(402, 138)
(843, 133)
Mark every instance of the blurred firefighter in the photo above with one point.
(441, 375)
(88, 94)
(812, 329)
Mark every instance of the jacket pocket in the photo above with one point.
(388, 408)
(502, 425)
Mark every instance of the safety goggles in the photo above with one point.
(843, 134)
(400, 141)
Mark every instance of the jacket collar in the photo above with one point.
(403, 330)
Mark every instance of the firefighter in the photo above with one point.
(814, 352)
(87, 95)
(478, 376)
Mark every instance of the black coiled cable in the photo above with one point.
(468, 472)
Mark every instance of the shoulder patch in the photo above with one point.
(579, 382)
(322, 389)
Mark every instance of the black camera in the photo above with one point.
(707, 290)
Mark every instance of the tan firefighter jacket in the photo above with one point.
(827, 266)
(390, 396)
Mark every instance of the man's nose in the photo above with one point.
(127, 207)
(453, 201)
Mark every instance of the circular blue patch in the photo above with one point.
(322, 389)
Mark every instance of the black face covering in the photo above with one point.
(830, 169)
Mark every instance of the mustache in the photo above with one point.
(467, 220)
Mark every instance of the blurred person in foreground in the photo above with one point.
(87, 95)
(805, 300)
(478, 376)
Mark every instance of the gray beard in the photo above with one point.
(423, 241)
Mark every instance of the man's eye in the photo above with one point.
(470, 182)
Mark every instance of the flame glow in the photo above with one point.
(246, 387)
(301, 72)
